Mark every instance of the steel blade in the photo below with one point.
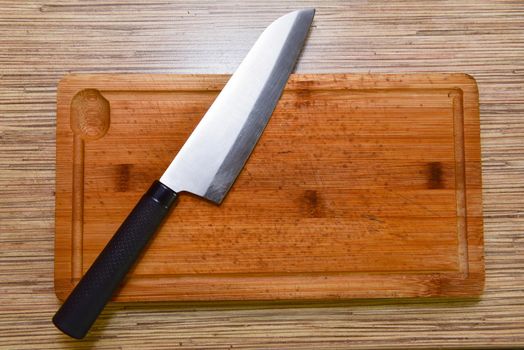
(215, 153)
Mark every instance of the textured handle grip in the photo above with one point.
(96, 287)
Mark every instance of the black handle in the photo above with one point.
(96, 287)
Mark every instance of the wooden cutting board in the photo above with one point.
(362, 186)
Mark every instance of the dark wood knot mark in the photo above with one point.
(122, 177)
(303, 99)
(89, 114)
(435, 178)
(373, 218)
(312, 203)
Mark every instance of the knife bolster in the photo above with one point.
(162, 194)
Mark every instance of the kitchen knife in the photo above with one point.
(206, 165)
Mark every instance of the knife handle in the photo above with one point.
(91, 294)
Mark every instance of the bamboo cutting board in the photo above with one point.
(362, 186)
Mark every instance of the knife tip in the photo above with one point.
(308, 12)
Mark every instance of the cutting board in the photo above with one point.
(362, 186)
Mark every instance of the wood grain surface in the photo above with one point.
(41, 41)
(362, 186)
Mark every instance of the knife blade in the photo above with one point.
(206, 165)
